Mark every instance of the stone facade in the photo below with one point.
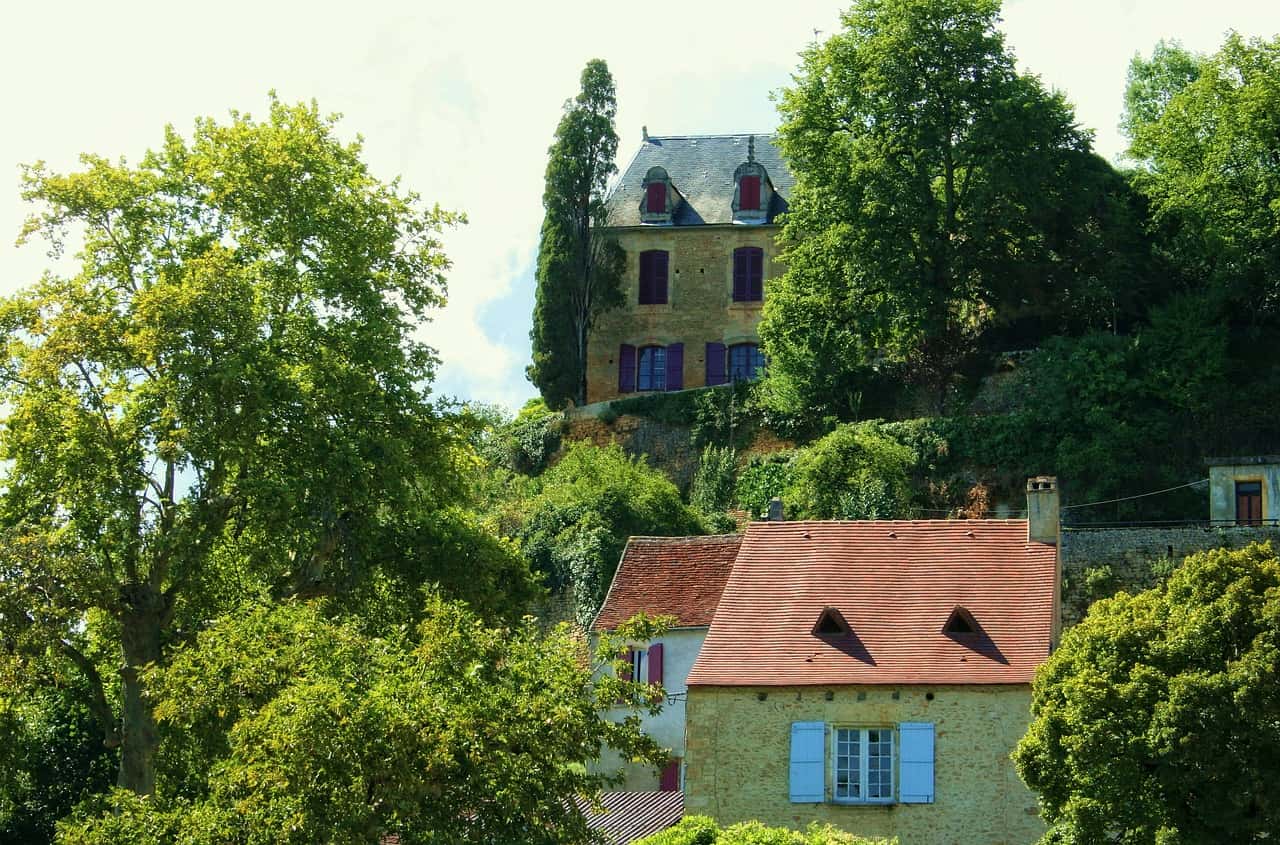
(699, 308)
(1099, 562)
(737, 763)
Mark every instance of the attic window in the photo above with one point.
(830, 623)
(961, 621)
(656, 198)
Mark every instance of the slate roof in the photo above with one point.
(701, 168)
(896, 583)
(680, 576)
(629, 816)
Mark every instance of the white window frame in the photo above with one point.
(864, 758)
(640, 665)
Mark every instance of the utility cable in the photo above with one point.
(1139, 496)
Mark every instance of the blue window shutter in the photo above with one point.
(675, 366)
(915, 762)
(660, 277)
(808, 762)
(715, 364)
(755, 275)
(626, 368)
(741, 273)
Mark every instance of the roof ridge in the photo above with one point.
(688, 537)
(770, 134)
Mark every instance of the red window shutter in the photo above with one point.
(741, 268)
(755, 275)
(656, 198)
(655, 663)
(715, 364)
(625, 674)
(749, 193)
(626, 368)
(659, 277)
(675, 366)
(669, 780)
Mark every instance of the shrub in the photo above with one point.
(712, 489)
(855, 472)
(763, 477)
(701, 830)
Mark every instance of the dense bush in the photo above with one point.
(590, 502)
(762, 478)
(712, 489)
(855, 472)
(701, 830)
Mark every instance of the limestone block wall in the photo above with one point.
(737, 759)
(699, 308)
(1135, 558)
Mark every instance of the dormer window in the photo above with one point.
(659, 197)
(831, 623)
(960, 622)
(752, 193)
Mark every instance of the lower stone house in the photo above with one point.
(877, 675)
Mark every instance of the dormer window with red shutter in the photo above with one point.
(752, 191)
(660, 196)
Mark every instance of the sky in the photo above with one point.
(461, 99)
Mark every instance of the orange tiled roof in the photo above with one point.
(896, 583)
(680, 576)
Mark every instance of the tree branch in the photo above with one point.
(97, 696)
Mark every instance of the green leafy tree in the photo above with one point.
(309, 730)
(855, 472)
(938, 192)
(701, 830)
(1155, 721)
(226, 398)
(579, 274)
(1204, 131)
(591, 501)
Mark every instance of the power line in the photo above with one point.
(1139, 496)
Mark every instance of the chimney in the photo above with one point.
(644, 134)
(1042, 509)
(1043, 526)
(775, 510)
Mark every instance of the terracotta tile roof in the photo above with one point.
(681, 576)
(896, 583)
(634, 815)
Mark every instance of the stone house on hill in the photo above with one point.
(876, 675)
(697, 218)
(681, 577)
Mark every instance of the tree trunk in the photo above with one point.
(140, 627)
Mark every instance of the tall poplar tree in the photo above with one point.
(579, 273)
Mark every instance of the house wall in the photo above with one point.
(1222, 490)
(679, 650)
(738, 747)
(699, 308)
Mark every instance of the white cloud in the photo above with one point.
(462, 99)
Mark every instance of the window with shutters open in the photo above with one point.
(651, 368)
(866, 765)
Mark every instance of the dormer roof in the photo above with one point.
(897, 583)
(703, 169)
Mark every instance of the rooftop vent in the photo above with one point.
(961, 621)
(830, 623)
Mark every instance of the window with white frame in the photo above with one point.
(640, 664)
(863, 764)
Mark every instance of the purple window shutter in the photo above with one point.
(715, 364)
(659, 277)
(626, 368)
(655, 663)
(669, 780)
(656, 198)
(646, 278)
(741, 267)
(675, 366)
(627, 657)
(749, 193)
(755, 275)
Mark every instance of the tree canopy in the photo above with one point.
(938, 192)
(295, 727)
(227, 398)
(579, 273)
(1155, 721)
(1204, 129)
